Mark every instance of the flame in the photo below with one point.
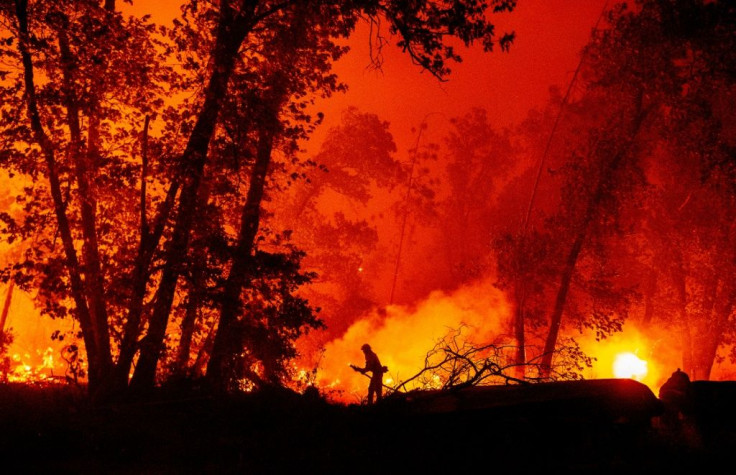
(628, 365)
(633, 354)
(33, 357)
(29, 368)
(401, 336)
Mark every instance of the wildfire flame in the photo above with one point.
(22, 368)
(628, 365)
(402, 335)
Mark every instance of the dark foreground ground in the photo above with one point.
(598, 428)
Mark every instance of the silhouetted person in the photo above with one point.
(372, 364)
(675, 395)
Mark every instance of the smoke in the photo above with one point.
(402, 335)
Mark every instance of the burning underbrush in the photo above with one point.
(49, 366)
(402, 337)
(450, 339)
(456, 339)
(465, 338)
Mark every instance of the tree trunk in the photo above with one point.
(47, 148)
(223, 349)
(721, 316)
(194, 302)
(6, 307)
(519, 332)
(707, 336)
(681, 290)
(721, 305)
(200, 362)
(141, 273)
(556, 318)
(231, 33)
(84, 171)
(591, 213)
(181, 363)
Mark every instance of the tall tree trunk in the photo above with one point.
(131, 329)
(149, 240)
(194, 300)
(6, 307)
(680, 280)
(721, 316)
(556, 318)
(223, 349)
(85, 171)
(47, 148)
(707, 324)
(591, 212)
(650, 290)
(276, 95)
(231, 32)
(94, 275)
(519, 332)
(188, 323)
(721, 305)
(150, 236)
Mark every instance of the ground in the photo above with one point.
(56, 429)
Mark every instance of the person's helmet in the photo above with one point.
(365, 347)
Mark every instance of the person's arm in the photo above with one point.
(359, 369)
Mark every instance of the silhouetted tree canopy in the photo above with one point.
(149, 152)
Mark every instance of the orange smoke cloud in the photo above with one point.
(402, 336)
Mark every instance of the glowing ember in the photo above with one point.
(628, 365)
(24, 369)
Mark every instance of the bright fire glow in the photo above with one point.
(402, 336)
(21, 368)
(628, 365)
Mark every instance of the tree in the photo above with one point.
(87, 78)
(683, 68)
(651, 80)
(77, 46)
(523, 247)
(356, 162)
(479, 160)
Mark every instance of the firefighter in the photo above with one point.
(372, 365)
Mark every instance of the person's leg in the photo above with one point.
(375, 388)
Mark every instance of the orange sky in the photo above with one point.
(550, 35)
